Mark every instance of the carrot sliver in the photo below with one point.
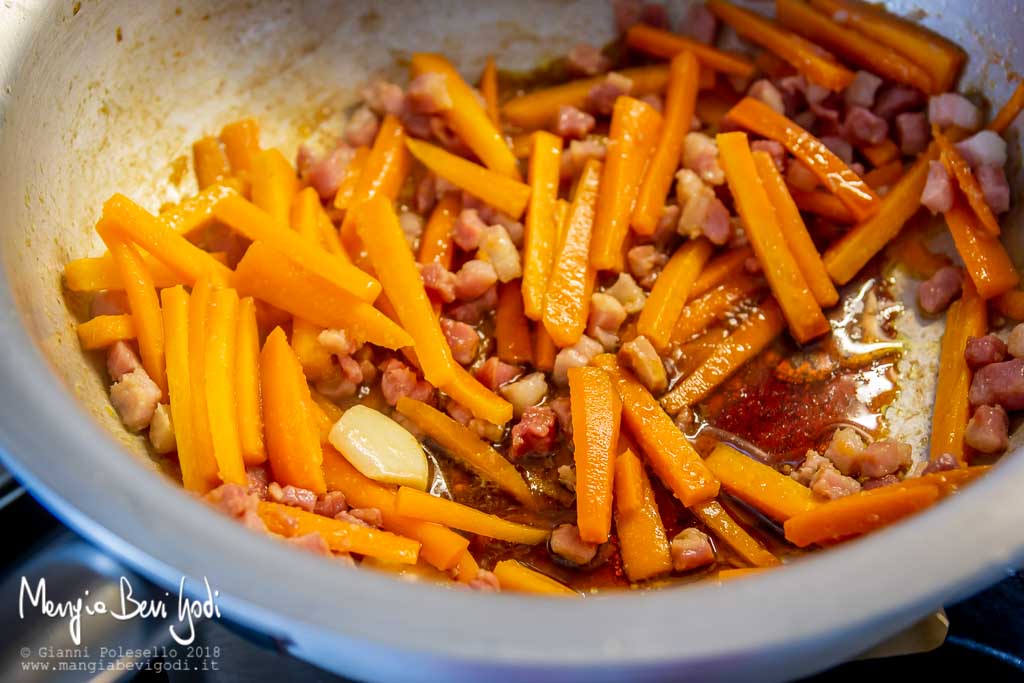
(419, 505)
(958, 168)
(313, 356)
(544, 349)
(241, 143)
(628, 481)
(436, 241)
(701, 313)
(858, 513)
(198, 472)
(804, 56)
(631, 141)
(220, 376)
(749, 339)
(718, 269)
(511, 327)
(541, 229)
(347, 189)
(274, 184)
(660, 43)
(466, 447)
(304, 217)
(797, 239)
(198, 306)
(93, 273)
(340, 536)
(759, 485)
(210, 162)
(1009, 111)
(247, 369)
(642, 539)
(680, 99)
(382, 236)
(514, 576)
(196, 212)
(489, 89)
(671, 456)
(713, 516)
(506, 194)
(985, 257)
(292, 440)
(466, 569)
(567, 303)
(822, 204)
(671, 291)
(478, 399)
(765, 231)
(885, 175)
(468, 118)
(852, 46)
(830, 169)
(596, 410)
(1010, 304)
(103, 330)
(967, 317)
(882, 153)
(949, 481)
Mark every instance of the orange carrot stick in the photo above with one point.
(103, 330)
(1010, 304)
(965, 318)
(798, 240)
(329, 236)
(541, 229)
(241, 144)
(858, 514)
(885, 174)
(738, 573)
(511, 328)
(633, 136)
(726, 530)
(93, 273)
(198, 306)
(467, 118)
(667, 450)
(986, 259)
(210, 161)
(949, 481)
(347, 189)
(305, 216)
(313, 356)
(596, 410)
(198, 472)
(265, 274)
(274, 184)
(725, 265)
(382, 236)
(680, 100)
(806, 57)
(503, 193)
(293, 442)
(544, 349)
(958, 168)
(700, 313)
(220, 375)
(341, 536)
(257, 225)
(478, 399)
(464, 446)
(830, 169)
(660, 43)
(628, 481)
(143, 301)
(749, 339)
(642, 540)
(846, 257)
(572, 277)
(522, 144)
(671, 290)
(514, 576)
(759, 485)
(941, 58)
(195, 212)
(247, 367)
(419, 505)
(436, 242)
(466, 569)
(760, 218)
(850, 45)
(136, 224)
(489, 89)
(822, 204)
(1009, 111)
(882, 153)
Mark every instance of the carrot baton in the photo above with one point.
(198, 307)
(544, 349)
(680, 100)
(634, 133)
(489, 89)
(760, 218)
(798, 240)
(805, 57)
(103, 330)
(661, 43)
(987, 261)
(511, 327)
(478, 399)
(596, 410)
(436, 242)
(572, 277)
(670, 292)
(882, 153)
(195, 212)
(221, 401)
(642, 540)
(958, 168)
(274, 184)
(541, 231)
(419, 505)
(701, 313)
(885, 174)
(247, 368)
(304, 216)
(210, 161)
(241, 144)
(513, 575)
(1002, 120)
(468, 118)
(628, 480)
(671, 456)
(713, 516)
(347, 189)
(823, 204)
(1010, 304)
(759, 485)
(93, 273)
(725, 265)
(749, 339)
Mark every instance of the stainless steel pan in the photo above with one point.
(100, 97)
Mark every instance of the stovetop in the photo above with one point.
(986, 631)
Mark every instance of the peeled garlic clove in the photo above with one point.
(380, 448)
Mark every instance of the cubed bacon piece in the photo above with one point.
(493, 373)
(411, 224)
(830, 483)
(844, 449)
(602, 96)
(398, 380)
(937, 195)
(700, 155)
(765, 91)
(640, 356)
(813, 462)
(999, 384)
(691, 549)
(580, 152)
(327, 174)
(575, 356)
(108, 302)
(799, 177)
(426, 194)
(563, 411)
(717, 224)
(468, 229)
(606, 312)
(884, 457)
(135, 398)
(463, 340)
(654, 101)
(912, 132)
(501, 253)
(982, 351)
(863, 127)
(897, 99)
(628, 293)
(988, 430)
(428, 93)
(438, 281)
(862, 90)
(257, 480)
(699, 24)
(984, 148)
(161, 430)
(121, 360)
(887, 480)
(473, 279)
(447, 137)
(330, 504)
(292, 495)
(953, 109)
(645, 262)
(525, 392)
(567, 545)
(994, 187)
(1015, 342)
(235, 502)
(573, 123)
(337, 342)
(383, 97)
(361, 127)
(586, 60)
(364, 516)
(943, 463)
(485, 582)
(535, 432)
(935, 294)
(312, 542)
(336, 387)
(472, 312)
(567, 477)
(841, 147)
